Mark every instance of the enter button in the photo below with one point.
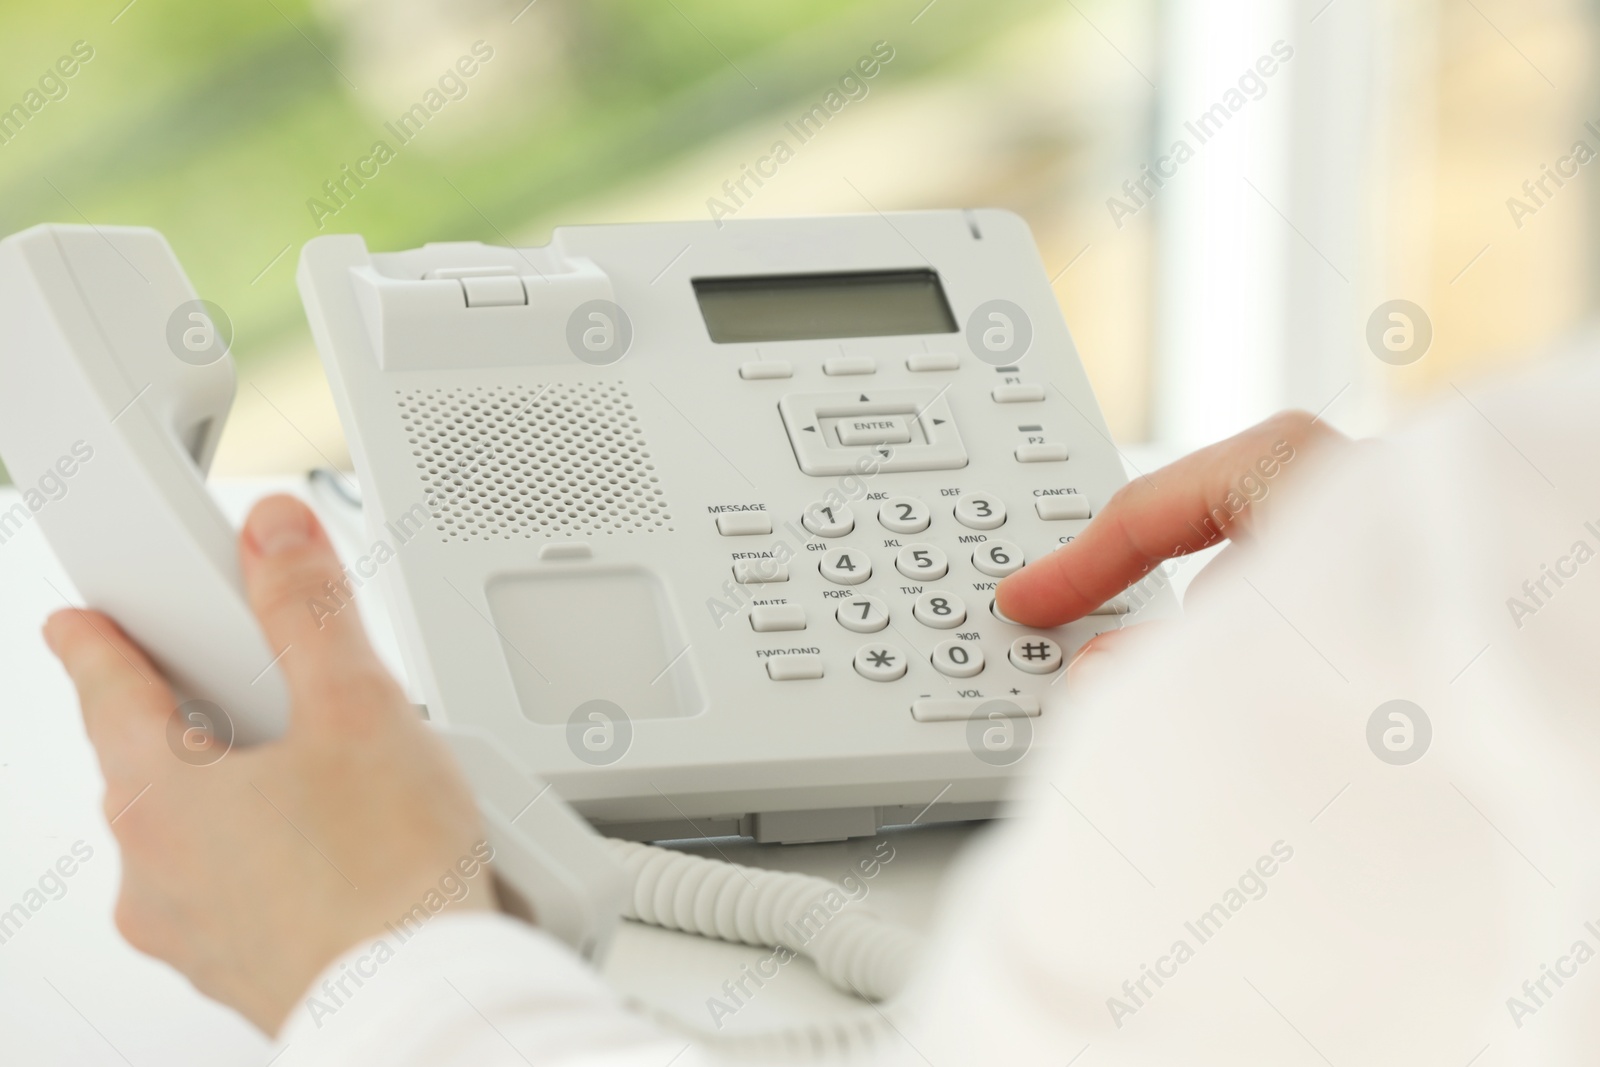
(874, 430)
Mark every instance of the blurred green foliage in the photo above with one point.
(216, 122)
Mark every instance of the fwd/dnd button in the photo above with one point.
(874, 430)
(795, 667)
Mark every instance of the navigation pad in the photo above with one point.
(898, 429)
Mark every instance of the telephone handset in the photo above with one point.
(115, 384)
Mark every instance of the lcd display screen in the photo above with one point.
(808, 307)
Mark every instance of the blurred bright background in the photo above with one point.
(1376, 163)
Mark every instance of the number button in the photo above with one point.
(846, 566)
(980, 511)
(998, 558)
(941, 610)
(904, 514)
(1036, 655)
(881, 663)
(922, 562)
(863, 614)
(957, 659)
(828, 520)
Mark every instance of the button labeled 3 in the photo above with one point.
(881, 663)
(981, 511)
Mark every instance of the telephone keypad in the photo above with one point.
(859, 612)
(940, 610)
(923, 563)
(905, 515)
(846, 566)
(863, 614)
(881, 663)
(958, 659)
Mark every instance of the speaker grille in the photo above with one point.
(551, 461)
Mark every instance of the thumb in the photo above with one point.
(300, 595)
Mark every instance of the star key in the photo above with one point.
(880, 663)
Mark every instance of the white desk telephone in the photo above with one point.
(700, 524)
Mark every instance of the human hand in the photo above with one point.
(1218, 493)
(252, 873)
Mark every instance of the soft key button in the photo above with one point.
(931, 361)
(874, 430)
(1017, 393)
(850, 365)
(1067, 506)
(904, 514)
(743, 523)
(797, 667)
(762, 369)
(980, 511)
(1042, 452)
(774, 618)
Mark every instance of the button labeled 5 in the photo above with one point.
(925, 563)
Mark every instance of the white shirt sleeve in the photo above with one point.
(470, 989)
(1233, 847)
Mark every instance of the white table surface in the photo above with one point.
(71, 992)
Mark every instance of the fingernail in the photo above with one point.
(278, 524)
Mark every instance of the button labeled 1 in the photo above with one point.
(881, 663)
(863, 614)
(828, 520)
(846, 566)
(904, 514)
(980, 511)
(998, 558)
(925, 563)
